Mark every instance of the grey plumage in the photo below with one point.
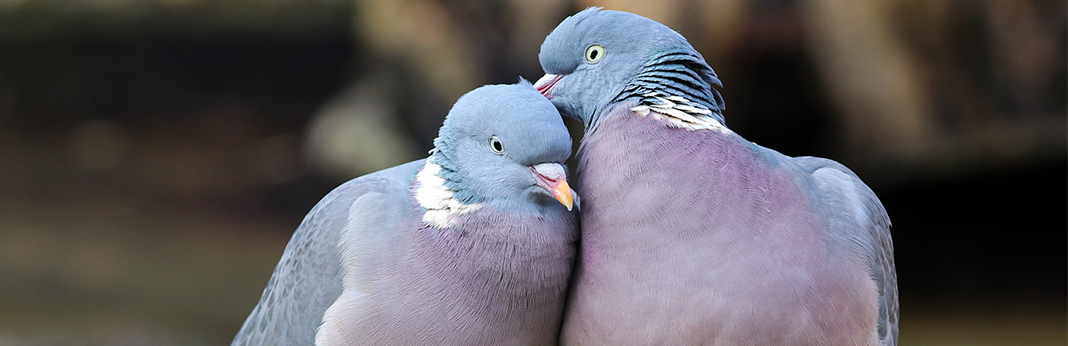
(692, 234)
(465, 247)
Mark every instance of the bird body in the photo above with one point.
(461, 285)
(466, 247)
(737, 249)
(692, 234)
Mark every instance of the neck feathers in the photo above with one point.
(437, 198)
(679, 113)
(678, 86)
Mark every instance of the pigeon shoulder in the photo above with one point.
(840, 190)
(308, 277)
(377, 219)
(857, 218)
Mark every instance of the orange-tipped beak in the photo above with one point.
(562, 193)
(550, 176)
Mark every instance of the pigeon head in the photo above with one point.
(504, 144)
(596, 58)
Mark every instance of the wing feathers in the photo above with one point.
(857, 215)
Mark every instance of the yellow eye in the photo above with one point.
(594, 53)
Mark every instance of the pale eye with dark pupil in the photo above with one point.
(594, 53)
(496, 145)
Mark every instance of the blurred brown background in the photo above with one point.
(155, 156)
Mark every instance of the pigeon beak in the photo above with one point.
(546, 83)
(550, 176)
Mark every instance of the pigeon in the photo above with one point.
(690, 234)
(473, 245)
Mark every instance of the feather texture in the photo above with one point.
(692, 234)
(678, 112)
(466, 247)
(437, 198)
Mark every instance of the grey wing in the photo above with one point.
(308, 278)
(858, 216)
(371, 244)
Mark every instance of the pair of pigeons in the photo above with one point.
(689, 233)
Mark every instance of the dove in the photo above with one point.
(473, 245)
(692, 234)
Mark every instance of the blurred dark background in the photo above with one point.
(156, 155)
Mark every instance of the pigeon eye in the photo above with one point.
(594, 53)
(496, 145)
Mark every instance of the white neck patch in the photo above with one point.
(436, 198)
(679, 112)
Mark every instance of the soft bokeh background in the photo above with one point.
(156, 155)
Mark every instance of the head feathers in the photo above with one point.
(641, 57)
